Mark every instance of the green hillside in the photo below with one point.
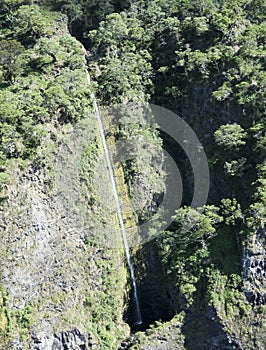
(64, 280)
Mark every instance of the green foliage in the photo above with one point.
(19, 133)
(30, 24)
(58, 52)
(3, 317)
(230, 136)
(124, 72)
(223, 92)
(193, 225)
(231, 211)
(21, 320)
(226, 294)
(87, 165)
(11, 144)
(9, 111)
(196, 25)
(43, 83)
(89, 12)
(184, 250)
(235, 167)
(202, 59)
(32, 99)
(257, 211)
(8, 5)
(4, 179)
(10, 59)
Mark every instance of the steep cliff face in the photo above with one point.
(254, 269)
(224, 314)
(254, 273)
(73, 339)
(63, 288)
(63, 285)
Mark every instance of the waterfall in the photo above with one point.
(118, 206)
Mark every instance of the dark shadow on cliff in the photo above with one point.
(155, 294)
(180, 158)
(202, 327)
(226, 250)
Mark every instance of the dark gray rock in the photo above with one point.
(72, 340)
(254, 269)
(68, 340)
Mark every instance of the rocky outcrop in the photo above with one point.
(54, 267)
(254, 269)
(69, 340)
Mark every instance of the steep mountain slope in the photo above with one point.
(62, 284)
(61, 287)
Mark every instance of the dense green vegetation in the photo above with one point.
(202, 59)
(42, 82)
(205, 61)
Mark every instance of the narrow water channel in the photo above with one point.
(138, 320)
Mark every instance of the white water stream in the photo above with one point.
(117, 202)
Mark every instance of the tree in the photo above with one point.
(10, 112)
(230, 136)
(10, 53)
(30, 24)
(192, 225)
(8, 5)
(231, 211)
(11, 141)
(235, 167)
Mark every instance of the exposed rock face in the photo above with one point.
(44, 266)
(54, 267)
(69, 340)
(254, 269)
(72, 340)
